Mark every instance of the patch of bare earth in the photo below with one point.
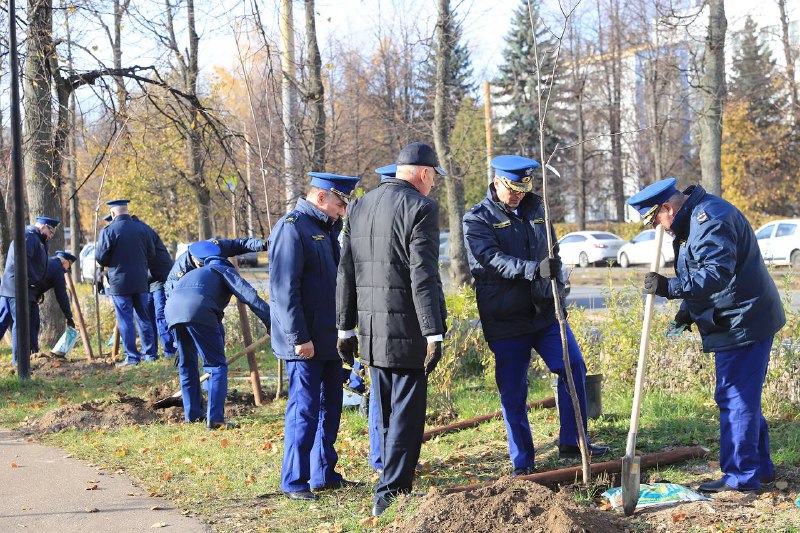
(509, 505)
(45, 365)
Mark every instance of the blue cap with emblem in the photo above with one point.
(515, 171)
(389, 171)
(48, 221)
(648, 200)
(116, 203)
(341, 186)
(66, 255)
(202, 250)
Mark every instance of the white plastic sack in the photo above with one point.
(656, 494)
(66, 342)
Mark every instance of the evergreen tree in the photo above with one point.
(517, 105)
(754, 79)
(460, 84)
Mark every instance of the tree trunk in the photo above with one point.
(788, 54)
(120, 7)
(315, 93)
(459, 271)
(712, 84)
(5, 215)
(615, 114)
(43, 179)
(294, 187)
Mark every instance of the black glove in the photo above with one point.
(40, 299)
(348, 350)
(433, 356)
(655, 283)
(550, 267)
(99, 286)
(71, 323)
(682, 317)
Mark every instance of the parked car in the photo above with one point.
(444, 248)
(641, 249)
(779, 242)
(584, 248)
(87, 262)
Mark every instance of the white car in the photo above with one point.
(88, 265)
(641, 249)
(779, 242)
(584, 248)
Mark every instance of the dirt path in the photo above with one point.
(44, 490)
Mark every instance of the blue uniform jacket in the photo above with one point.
(721, 275)
(161, 263)
(36, 248)
(504, 250)
(229, 247)
(201, 296)
(54, 279)
(303, 261)
(126, 248)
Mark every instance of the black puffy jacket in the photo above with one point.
(388, 281)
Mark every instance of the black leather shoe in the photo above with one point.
(719, 486)
(766, 480)
(523, 471)
(379, 508)
(212, 426)
(565, 451)
(304, 495)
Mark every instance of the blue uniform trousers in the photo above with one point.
(158, 323)
(400, 398)
(744, 437)
(512, 359)
(374, 431)
(209, 343)
(125, 305)
(8, 314)
(313, 413)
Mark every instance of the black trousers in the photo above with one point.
(401, 399)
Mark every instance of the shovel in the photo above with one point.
(175, 399)
(631, 467)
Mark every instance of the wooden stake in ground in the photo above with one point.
(247, 337)
(115, 342)
(79, 315)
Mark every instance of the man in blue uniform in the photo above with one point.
(194, 313)
(728, 293)
(54, 279)
(303, 258)
(389, 286)
(36, 237)
(159, 266)
(228, 248)
(126, 248)
(506, 242)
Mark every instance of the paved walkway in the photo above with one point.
(43, 490)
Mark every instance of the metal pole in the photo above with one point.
(487, 112)
(20, 253)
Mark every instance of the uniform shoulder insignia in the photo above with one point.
(503, 224)
(702, 217)
(215, 241)
(318, 237)
(538, 221)
(181, 273)
(290, 220)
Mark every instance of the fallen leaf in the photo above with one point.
(158, 508)
(166, 476)
(93, 486)
(781, 485)
(266, 511)
(678, 516)
(93, 510)
(187, 460)
(370, 521)
(605, 507)
(14, 465)
(224, 443)
(159, 524)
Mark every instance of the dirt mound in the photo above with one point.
(46, 365)
(122, 410)
(509, 505)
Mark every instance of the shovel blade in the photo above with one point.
(169, 401)
(630, 483)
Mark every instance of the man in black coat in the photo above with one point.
(388, 285)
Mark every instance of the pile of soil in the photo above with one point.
(509, 505)
(123, 410)
(46, 365)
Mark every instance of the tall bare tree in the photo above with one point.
(315, 92)
(789, 56)
(712, 86)
(294, 188)
(459, 270)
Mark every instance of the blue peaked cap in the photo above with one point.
(115, 203)
(48, 221)
(341, 186)
(389, 171)
(66, 255)
(647, 201)
(203, 249)
(515, 171)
